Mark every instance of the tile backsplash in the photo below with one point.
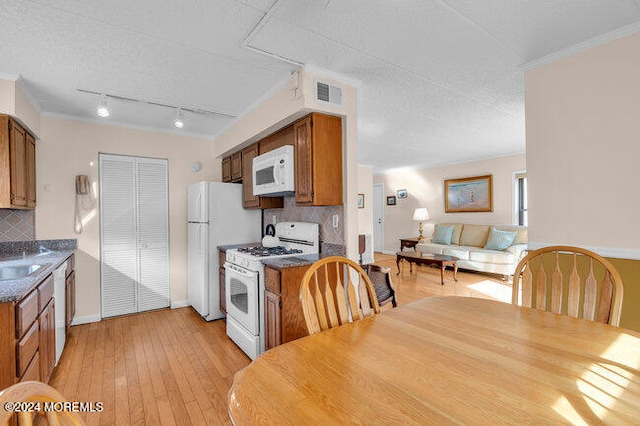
(17, 225)
(322, 215)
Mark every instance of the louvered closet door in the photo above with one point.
(153, 235)
(119, 268)
(134, 234)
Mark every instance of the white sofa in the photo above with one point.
(467, 244)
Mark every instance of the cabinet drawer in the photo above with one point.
(26, 348)
(272, 280)
(33, 370)
(45, 292)
(26, 313)
(71, 265)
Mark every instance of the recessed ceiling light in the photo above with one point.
(103, 108)
(178, 122)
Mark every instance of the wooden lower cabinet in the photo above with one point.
(28, 334)
(284, 320)
(272, 306)
(47, 322)
(70, 294)
(222, 257)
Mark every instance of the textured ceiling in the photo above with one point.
(440, 81)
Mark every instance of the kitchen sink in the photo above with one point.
(15, 272)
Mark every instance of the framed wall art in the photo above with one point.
(391, 200)
(472, 194)
(361, 201)
(402, 193)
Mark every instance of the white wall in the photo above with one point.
(365, 186)
(583, 146)
(426, 189)
(69, 148)
(14, 102)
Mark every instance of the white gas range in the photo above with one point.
(244, 281)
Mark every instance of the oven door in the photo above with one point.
(242, 296)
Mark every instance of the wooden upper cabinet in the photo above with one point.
(250, 201)
(18, 158)
(318, 160)
(30, 146)
(226, 169)
(236, 167)
(17, 166)
(277, 140)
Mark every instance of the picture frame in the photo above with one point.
(391, 200)
(471, 194)
(402, 193)
(361, 201)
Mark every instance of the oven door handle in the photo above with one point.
(238, 270)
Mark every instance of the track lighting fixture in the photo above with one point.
(178, 122)
(103, 108)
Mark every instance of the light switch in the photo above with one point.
(335, 220)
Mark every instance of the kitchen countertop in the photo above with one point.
(27, 253)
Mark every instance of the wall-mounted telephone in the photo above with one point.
(82, 185)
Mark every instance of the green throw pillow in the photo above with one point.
(442, 234)
(500, 240)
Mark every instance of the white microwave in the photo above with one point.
(273, 172)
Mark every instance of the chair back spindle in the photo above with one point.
(592, 289)
(335, 291)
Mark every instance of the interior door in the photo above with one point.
(118, 268)
(153, 234)
(378, 217)
(134, 234)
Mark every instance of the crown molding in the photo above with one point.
(581, 47)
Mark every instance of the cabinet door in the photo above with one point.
(47, 321)
(236, 166)
(70, 292)
(31, 170)
(17, 155)
(272, 319)
(304, 161)
(226, 169)
(249, 201)
(222, 289)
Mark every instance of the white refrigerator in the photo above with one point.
(215, 217)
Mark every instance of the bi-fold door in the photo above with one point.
(134, 234)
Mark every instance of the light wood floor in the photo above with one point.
(170, 367)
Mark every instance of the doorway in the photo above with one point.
(378, 217)
(134, 234)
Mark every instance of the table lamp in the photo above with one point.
(420, 214)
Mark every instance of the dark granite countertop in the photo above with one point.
(281, 263)
(53, 254)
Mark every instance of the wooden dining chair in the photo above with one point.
(571, 281)
(380, 277)
(35, 392)
(335, 291)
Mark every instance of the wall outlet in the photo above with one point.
(274, 219)
(335, 220)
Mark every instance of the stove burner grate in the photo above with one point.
(261, 251)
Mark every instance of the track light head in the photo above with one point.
(103, 109)
(178, 122)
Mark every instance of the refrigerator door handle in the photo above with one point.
(200, 239)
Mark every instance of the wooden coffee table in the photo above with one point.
(440, 260)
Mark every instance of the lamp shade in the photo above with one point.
(420, 214)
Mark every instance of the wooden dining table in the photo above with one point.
(447, 360)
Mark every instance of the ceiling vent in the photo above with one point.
(328, 93)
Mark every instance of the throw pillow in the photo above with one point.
(500, 240)
(442, 234)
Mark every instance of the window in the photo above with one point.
(520, 210)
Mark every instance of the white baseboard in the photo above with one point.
(389, 252)
(610, 252)
(180, 304)
(86, 320)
